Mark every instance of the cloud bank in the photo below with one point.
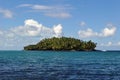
(106, 32)
(33, 28)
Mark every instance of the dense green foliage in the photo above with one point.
(62, 43)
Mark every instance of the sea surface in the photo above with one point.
(59, 65)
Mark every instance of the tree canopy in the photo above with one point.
(63, 43)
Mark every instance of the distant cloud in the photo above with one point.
(59, 15)
(33, 28)
(1, 32)
(87, 33)
(7, 13)
(51, 11)
(82, 23)
(41, 7)
(58, 30)
(24, 5)
(109, 43)
(106, 32)
(6, 34)
(118, 43)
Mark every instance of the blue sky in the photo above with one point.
(24, 22)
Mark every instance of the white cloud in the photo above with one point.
(51, 11)
(30, 28)
(6, 13)
(58, 15)
(33, 28)
(1, 32)
(87, 33)
(118, 43)
(82, 23)
(109, 43)
(106, 32)
(6, 34)
(42, 7)
(24, 5)
(58, 30)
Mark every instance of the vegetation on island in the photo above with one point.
(62, 43)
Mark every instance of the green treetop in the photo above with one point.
(62, 43)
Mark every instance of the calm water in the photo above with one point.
(51, 65)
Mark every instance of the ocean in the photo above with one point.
(59, 65)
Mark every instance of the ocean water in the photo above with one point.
(59, 65)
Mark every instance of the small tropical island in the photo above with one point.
(62, 44)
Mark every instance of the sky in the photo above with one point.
(24, 22)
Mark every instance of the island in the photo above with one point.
(63, 44)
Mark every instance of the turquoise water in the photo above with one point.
(59, 65)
